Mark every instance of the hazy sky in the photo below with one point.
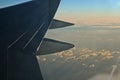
(90, 12)
(84, 12)
(91, 7)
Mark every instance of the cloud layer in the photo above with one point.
(80, 63)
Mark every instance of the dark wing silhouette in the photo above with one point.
(59, 24)
(49, 46)
(22, 30)
(20, 26)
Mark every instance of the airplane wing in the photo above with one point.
(25, 19)
(49, 46)
(59, 24)
(22, 30)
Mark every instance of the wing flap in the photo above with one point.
(49, 46)
(59, 24)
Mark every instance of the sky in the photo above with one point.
(90, 12)
(5, 3)
(99, 7)
(84, 12)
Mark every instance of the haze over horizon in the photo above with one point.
(87, 13)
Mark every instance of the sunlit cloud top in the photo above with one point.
(85, 54)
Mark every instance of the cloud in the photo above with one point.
(77, 54)
(92, 20)
(105, 77)
(80, 63)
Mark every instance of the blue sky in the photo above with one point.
(4, 3)
(90, 12)
(73, 10)
(91, 6)
(80, 6)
